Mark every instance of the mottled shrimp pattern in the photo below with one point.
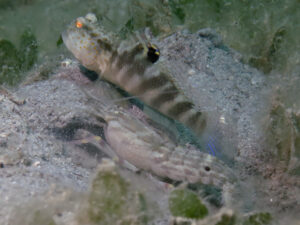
(133, 140)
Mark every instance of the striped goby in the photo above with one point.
(133, 65)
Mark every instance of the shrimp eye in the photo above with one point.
(207, 168)
(153, 53)
(79, 24)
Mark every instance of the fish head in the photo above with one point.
(88, 42)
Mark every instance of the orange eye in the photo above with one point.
(78, 24)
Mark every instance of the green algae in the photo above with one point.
(185, 203)
(268, 58)
(143, 208)
(296, 134)
(8, 4)
(59, 41)
(254, 28)
(296, 123)
(40, 217)
(227, 220)
(177, 8)
(34, 212)
(258, 219)
(13, 61)
(28, 50)
(112, 201)
(155, 15)
(9, 53)
(9, 62)
(127, 29)
(279, 125)
(107, 198)
(283, 136)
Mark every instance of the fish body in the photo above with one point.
(134, 65)
(128, 65)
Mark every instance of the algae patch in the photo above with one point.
(41, 217)
(108, 196)
(258, 219)
(112, 200)
(227, 220)
(15, 61)
(283, 133)
(9, 62)
(185, 203)
(28, 50)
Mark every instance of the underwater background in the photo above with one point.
(264, 33)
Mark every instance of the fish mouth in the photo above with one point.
(64, 36)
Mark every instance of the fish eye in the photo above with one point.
(207, 168)
(78, 24)
(153, 53)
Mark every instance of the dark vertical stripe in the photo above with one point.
(135, 62)
(168, 94)
(104, 45)
(127, 57)
(179, 108)
(193, 118)
(196, 121)
(121, 61)
(138, 49)
(114, 57)
(135, 69)
(152, 83)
